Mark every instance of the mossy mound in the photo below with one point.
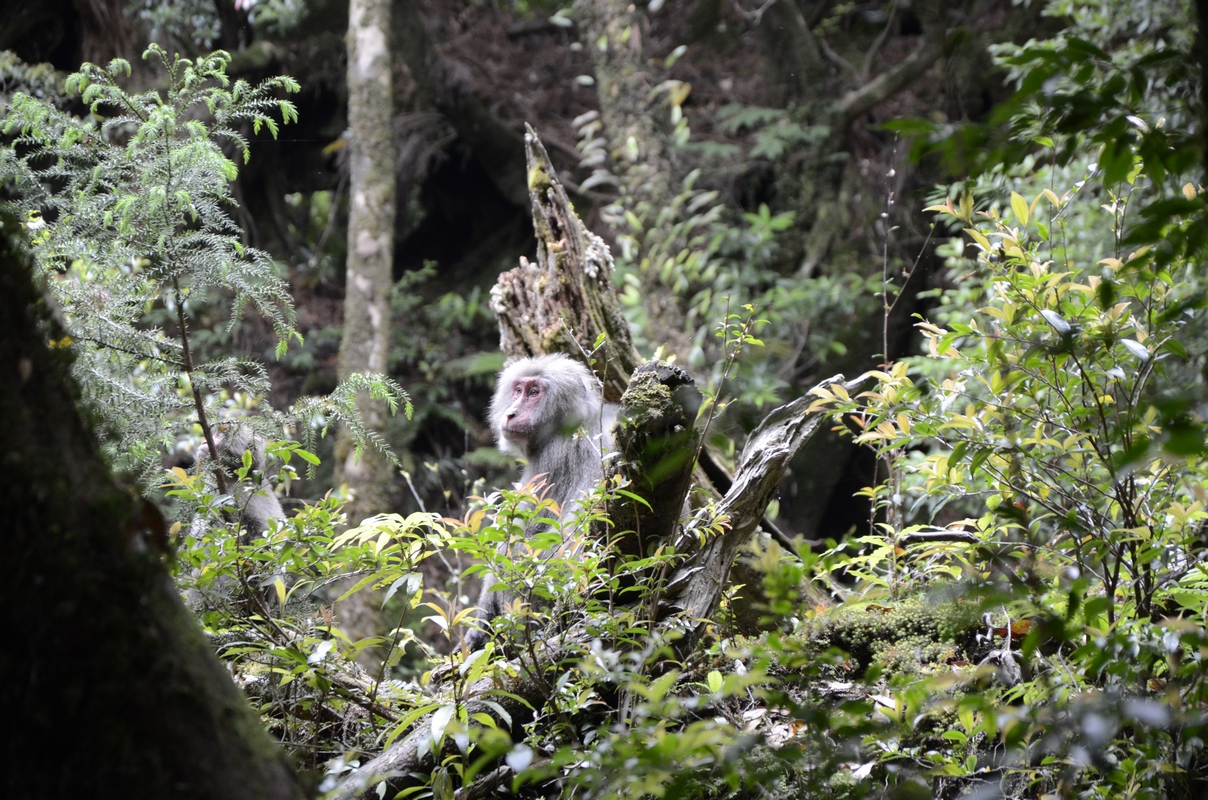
(900, 638)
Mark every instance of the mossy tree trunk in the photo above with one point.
(366, 343)
(624, 80)
(639, 153)
(107, 684)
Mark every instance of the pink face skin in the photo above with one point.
(527, 395)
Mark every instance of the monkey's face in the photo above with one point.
(525, 416)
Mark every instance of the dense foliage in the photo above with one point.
(1025, 614)
(129, 213)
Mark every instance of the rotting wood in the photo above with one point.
(564, 299)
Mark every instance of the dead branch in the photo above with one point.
(696, 588)
(564, 299)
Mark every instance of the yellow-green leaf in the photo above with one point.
(981, 240)
(1019, 207)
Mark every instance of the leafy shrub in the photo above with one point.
(1052, 427)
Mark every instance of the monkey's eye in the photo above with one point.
(534, 391)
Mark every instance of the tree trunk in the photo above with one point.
(107, 684)
(105, 36)
(639, 153)
(624, 80)
(366, 343)
(792, 62)
(656, 443)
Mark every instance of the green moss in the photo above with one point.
(539, 180)
(898, 638)
(647, 394)
(907, 656)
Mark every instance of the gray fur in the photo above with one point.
(254, 497)
(563, 442)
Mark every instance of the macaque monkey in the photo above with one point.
(254, 498)
(254, 501)
(548, 411)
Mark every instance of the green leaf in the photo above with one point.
(440, 723)
(635, 224)
(306, 455)
(1053, 318)
(504, 716)
(909, 126)
(1136, 348)
(1116, 159)
(1184, 439)
(359, 585)
(1019, 207)
(1176, 348)
(954, 735)
(958, 453)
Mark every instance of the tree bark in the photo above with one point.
(105, 36)
(656, 445)
(639, 152)
(792, 61)
(366, 343)
(564, 299)
(697, 586)
(624, 80)
(107, 677)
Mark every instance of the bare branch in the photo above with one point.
(761, 467)
(887, 84)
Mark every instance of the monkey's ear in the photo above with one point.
(592, 384)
